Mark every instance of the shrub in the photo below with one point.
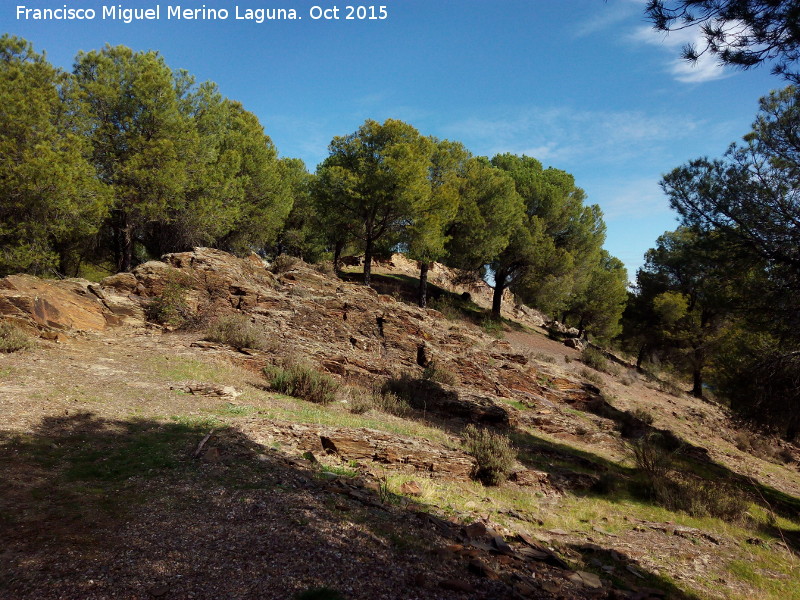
(542, 357)
(284, 263)
(237, 331)
(13, 339)
(593, 358)
(302, 381)
(387, 402)
(670, 387)
(762, 447)
(433, 372)
(651, 458)
(447, 306)
(492, 326)
(360, 401)
(326, 268)
(702, 498)
(169, 307)
(590, 376)
(493, 453)
(642, 415)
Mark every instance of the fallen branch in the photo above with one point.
(202, 443)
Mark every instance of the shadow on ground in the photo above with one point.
(96, 508)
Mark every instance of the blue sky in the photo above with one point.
(582, 85)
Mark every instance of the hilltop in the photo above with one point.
(143, 459)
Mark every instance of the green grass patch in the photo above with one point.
(236, 410)
(187, 369)
(338, 470)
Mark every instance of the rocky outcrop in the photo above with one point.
(347, 329)
(412, 454)
(72, 304)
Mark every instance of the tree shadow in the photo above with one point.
(95, 508)
(627, 574)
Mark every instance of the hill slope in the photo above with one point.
(142, 462)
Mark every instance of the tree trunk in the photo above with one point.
(500, 278)
(367, 262)
(337, 255)
(123, 247)
(640, 357)
(423, 283)
(697, 373)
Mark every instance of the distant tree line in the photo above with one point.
(719, 297)
(125, 159)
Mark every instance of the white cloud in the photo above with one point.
(624, 200)
(706, 68)
(564, 135)
(608, 15)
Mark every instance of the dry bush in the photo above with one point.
(239, 332)
(433, 372)
(13, 339)
(361, 400)
(670, 387)
(628, 378)
(642, 415)
(302, 381)
(284, 263)
(762, 447)
(701, 498)
(651, 457)
(493, 453)
(326, 268)
(590, 376)
(541, 357)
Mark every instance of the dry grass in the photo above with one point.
(239, 332)
(13, 339)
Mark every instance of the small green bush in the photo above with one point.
(493, 453)
(302, 381)
(169, 307)
(237, 331)
(492, 326)
(13, 339)
(593, 358)
(433, 372)
(447, 306)
(284, 263)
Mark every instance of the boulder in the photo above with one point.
(49, 304)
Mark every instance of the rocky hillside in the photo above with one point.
(143, 460)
